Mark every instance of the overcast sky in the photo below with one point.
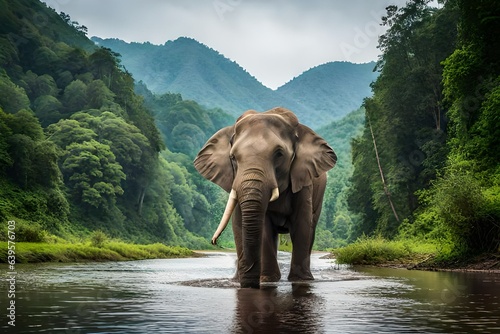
(274, 40)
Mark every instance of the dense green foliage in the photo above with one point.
(336, 220)
(185, 127)
(79, 150)
(318, 96)
(427, 163)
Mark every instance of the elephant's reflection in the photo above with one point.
(271, 310)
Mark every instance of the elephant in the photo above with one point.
(274, 169)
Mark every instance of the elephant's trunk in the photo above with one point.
(231, 204)
(252, 219)
(253, 199)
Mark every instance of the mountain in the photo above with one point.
(318, 96)
(195, 71)
(334, 88)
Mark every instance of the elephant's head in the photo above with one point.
(256, 160)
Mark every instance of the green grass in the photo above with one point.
(34, 252)
(377, 250)
(34, 245)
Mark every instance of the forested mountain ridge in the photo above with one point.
(322, 94)
(191, 69)
(332, 88)
(79, 149)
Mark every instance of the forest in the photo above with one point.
(79, 149)
(85, 147)
(426, 166)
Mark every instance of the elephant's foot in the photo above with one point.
(270, 278)
(300, 276)
(249, 284)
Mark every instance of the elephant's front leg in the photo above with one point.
(270, 271)
(238, 241)
(302, 227)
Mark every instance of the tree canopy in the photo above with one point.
(432, 128)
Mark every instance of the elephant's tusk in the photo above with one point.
(231, 204)
(275, 195)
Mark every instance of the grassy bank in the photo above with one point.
(33, 244)
(34, 252)
(378, 251)
(415, 254)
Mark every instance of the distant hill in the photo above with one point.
(318, 96)
(334, 89)
(196, 72)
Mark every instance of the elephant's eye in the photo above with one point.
(278, 158)
(233, 160)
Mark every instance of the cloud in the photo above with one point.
(273, 40)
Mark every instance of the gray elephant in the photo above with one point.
(275, 171)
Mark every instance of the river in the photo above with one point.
(196, 295)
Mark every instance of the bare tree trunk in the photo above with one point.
(141, 199)
(437, 109)
(386, 190)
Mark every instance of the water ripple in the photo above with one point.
(198, 296)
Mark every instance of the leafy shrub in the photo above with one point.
(33, 232)
(374, 250)
(98, 238)
(468, 210)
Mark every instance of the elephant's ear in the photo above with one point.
(313, 157)
(213, 159)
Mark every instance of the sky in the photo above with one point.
(274, 40)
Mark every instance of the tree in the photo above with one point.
(92, 173)
(104, 65)
(45, 60)
(75, 96)
(46, 169)
(13, 97)
(68, 131)
(48, 109)
(26, 134)
(98, 94)
(40, 85)
(8, 53)
(5, 133)
(187, 138)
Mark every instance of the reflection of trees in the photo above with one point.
(269, 310)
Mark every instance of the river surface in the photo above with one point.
(196, 295)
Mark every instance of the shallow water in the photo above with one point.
(196, 295)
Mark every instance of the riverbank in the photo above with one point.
(36, 252)
(488, 262)
(413, 255)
